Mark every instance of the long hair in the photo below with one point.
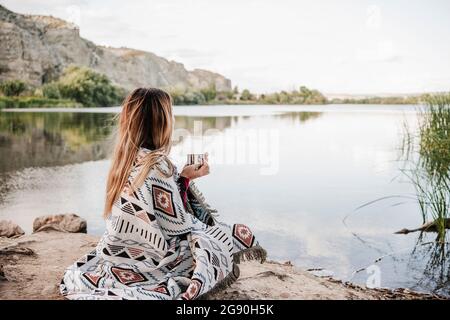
(145, 121)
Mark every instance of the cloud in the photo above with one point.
(264, 46)
(374, 18)
(381, 52)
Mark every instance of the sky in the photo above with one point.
(345, 46)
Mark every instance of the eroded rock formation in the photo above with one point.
(37, 49)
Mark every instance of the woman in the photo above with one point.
(161, 240)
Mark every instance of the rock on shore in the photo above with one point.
(9, 229)
(34, 264)
(60, 222)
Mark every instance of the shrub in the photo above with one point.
(246, 95)
(88, 87)
(12, 88)
(177, 95)
(192, 97)
(35, 102)
(51, 90)
(182, 96)
(209, 93)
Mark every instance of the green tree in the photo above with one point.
(246, 95)
(224, 96)
(229, 94)
(305, 92)
(51, 90)
(209, 93)
(284, 97)
(177, 96)
(88, 87)
(193, 97)
(12, 88)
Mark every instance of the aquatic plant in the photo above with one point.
(427, 155)
(436, 267)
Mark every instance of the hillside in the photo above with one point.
(37, 49)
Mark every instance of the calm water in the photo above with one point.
(295, 174)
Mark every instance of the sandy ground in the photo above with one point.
(33, 266)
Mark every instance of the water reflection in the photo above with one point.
(52, 139)
(207, 122)
(332, 160)
(425, 162)
(298, 117)
(40, 140)
(436, 267)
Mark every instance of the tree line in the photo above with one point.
(84, 87)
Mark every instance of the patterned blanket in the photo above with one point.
(157, 247)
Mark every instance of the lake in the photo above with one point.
(296, 174)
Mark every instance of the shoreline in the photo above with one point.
(34, 264)
(227, 110)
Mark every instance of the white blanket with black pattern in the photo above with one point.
(155, 249)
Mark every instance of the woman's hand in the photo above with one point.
(193, 171)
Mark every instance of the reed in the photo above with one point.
(427, 153)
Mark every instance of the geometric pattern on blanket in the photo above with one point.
(154, 248)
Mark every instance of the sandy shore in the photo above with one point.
(33, 266)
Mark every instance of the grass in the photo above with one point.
(427, 152)
(435, 137)
(36, 102)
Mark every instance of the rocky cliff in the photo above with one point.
(37, 49)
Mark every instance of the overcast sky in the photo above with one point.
(345, 46)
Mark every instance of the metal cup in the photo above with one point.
(195, 158)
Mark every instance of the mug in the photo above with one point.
(195, 158)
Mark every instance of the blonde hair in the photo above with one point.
(145, 121)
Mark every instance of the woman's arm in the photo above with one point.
(191, 172)
(183, 185)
